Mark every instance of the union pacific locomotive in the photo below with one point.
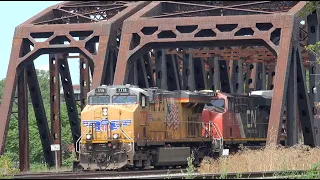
(125, 126)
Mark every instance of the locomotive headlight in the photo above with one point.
(115, 136)
(88, 136)
(105, 111)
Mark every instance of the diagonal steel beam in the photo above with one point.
(304, 106)
(8, 92)
(69, 98)
(40, 113)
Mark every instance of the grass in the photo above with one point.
(275, 158)
(44, 168)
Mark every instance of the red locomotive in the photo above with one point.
(238, 119)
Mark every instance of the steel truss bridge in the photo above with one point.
(232, 46)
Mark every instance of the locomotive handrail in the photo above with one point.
(128, 137)
(216, 127)
(219, 134)
(80, 138)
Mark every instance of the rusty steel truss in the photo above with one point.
(232, 46)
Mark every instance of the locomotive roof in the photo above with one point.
(262, 94)
(184, 95)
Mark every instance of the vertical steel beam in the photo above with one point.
(135, 72)
(224, 77)
(251, 72)
(216, 81)
(142, 74)
(258, 77)
(164, 70)
(176, 71)
(23, 122)
(160, 67)
(133, 75)
(263, 74)
(172, 74)
(199, 74)
(211, 73)
(55, 103)
(188, 73)
(240, 80)
(149, 69)
(69, 98)
(271, 74)
(84, 77)
(291, 108)
(109, 69)
(314, 70)
(234, 69)
(40, 113)
(84, 81)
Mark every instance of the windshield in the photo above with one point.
(121, 99)
(92, 100)
(216, 105)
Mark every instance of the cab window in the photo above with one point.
(92, 100)
(218, 103)
(122, 99)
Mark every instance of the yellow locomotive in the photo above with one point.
(126, 126)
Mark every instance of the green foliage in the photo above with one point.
(7, 167)
(315, 50)
(190, 169)
(309, 8)
(37, 161)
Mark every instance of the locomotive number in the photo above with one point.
(100, 90)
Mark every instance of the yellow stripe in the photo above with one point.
(105, 141)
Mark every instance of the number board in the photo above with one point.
(122, 90)
(100, 90)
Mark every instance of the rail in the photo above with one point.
(170, 173)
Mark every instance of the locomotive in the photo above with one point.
(242, 119)
(123, 126)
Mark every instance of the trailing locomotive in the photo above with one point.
(125, 126)
(241, 119)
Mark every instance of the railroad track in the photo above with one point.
(160, 174)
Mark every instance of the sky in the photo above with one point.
(24, 10)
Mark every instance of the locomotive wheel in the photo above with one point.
(76, 167)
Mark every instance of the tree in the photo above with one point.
(309, 8)
(36, 154)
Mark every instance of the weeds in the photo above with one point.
(271, 158)
(190, 169)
